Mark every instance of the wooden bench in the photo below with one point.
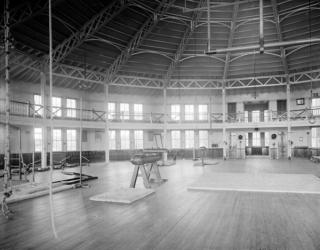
(315, 158)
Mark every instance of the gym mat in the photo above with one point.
(273, 183)
(123, 195)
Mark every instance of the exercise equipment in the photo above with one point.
(203, 162)
(146, 164)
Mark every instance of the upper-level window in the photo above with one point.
(56, 106)
(315, 137)
(111, 110)
(189, 112)
(203, 112)
(175, 139)
(138, 111)
(246, 116)
(256, 116)
(315, 105)
(38, 109)
(71, 107)
(124, 111)
(175, 112)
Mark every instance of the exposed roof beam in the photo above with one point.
(26, 10)
(135, 42)
(187, 34)
(88, 29)
(279, 34)
(230, 40)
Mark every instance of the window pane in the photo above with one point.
(266, 139)
(175, 112)
(71, 140)
(138, 139)
(203, 112)
(56, 106)
(56, 140)
(125, 139)
(189, 138)
(71, 108)
(256, 116)
(138, 111)
(38, 109)
(188, 112)
(112, 139)
(315, 105)
(111, 111)
(203, 138)
(37, 139)
(256, 142)
(124, 111)
(175, 139)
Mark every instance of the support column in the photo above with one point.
(7, 174)
(44, 121)
(106, 148)
(289, 118)
(224, 135)
(165, 117)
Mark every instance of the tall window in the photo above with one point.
(71, 107)
(266, 139)
(315, 137)
(138, 111)
(189, 112)
(56, 106)
(266, 115)
(111, 111)
(71, 140)
(175, 112)
(37, 139)
(175, 139)
(203, 138)
(315, 105)
(56, 140)
(138, 139)
(256, 140)
(203, 112)
(256, 116)
(124, 111)
(38, 109)
(247, 139)
(112, 139)
(125, 139)
(246, 116)
(189, 138)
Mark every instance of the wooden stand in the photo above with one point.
(146, 170)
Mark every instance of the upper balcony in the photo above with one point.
(23, 111)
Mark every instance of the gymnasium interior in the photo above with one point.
(165, 124)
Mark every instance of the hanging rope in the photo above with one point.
(51, 126)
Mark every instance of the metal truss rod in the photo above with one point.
(267, 45)
(135, 42)
(187, 34)
(89, 28)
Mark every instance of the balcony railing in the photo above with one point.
(37, 111)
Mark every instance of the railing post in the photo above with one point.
(165, 117)
(107, 153)
(289, 118)
(224, 135)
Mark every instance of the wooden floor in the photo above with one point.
(173, 218)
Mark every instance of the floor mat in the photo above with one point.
(282, 183)
(123, 195)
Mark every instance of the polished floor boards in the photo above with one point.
(172, 218)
